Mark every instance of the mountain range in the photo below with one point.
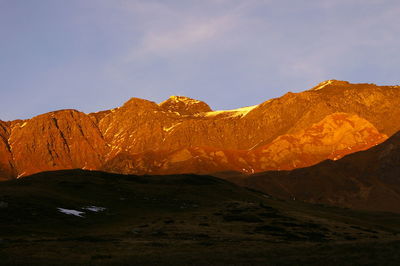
(309, 178)
(183, 135)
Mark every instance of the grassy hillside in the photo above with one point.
(182, 219)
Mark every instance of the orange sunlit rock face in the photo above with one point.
(7, 169)
(332, 138)
(335, 136)
(65, 139)
(183, 135)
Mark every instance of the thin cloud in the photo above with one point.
(191, 35)
(238, 51)
(175, 29)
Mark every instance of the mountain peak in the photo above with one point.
(184, 105)
(140, 103)
(176, 127)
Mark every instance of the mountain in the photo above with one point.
(364, 180)
(64, 139)
(78, 217)
(7, 168)
(336, 135)
(183, 135)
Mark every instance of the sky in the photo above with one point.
(93, 55)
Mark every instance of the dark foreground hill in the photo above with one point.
(364, 180)
(79, 217)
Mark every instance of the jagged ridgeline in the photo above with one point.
(183, 135)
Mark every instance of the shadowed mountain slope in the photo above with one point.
(364, 180)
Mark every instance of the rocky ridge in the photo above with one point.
(335, 136)
(184, 135)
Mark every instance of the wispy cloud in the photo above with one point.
(190, 35)
(182, 30)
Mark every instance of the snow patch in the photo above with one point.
(21, 175)
(71, 212)
(81, 213)
(167, 129)
(94, 209)
(323, 85)
(240, 112)
(256, 145)
(113, 148)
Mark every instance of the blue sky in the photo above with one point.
(96, 54)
